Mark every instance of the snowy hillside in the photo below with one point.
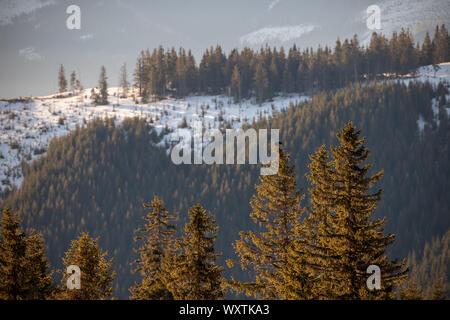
(428, 73)
(27, 126)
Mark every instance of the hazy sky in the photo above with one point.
(34, 38)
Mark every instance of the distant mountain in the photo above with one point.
(417, 15)
(113, 32)
(321, 22)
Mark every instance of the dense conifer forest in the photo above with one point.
(96, 179)
(262, 74)
(98, 194)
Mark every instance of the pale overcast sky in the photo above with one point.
(34, 38)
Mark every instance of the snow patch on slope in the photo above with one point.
(435, 75)
(26, 127)
(280, 33)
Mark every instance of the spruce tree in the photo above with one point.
(345, 239)
(273, 250)
(261, 83)
(40, 279)
(410, 290)
(426, 57)
(94, 96)
(123, 80)
(156, 239)
(192, 73)
(103, 87)
(23, 264)
(62, 82)
(79, 87)
(97, 275)
(438, 292)
(236, 85)
(441, 45)
(139, 73)
(181, 74)
(192, 270)
(73, 81)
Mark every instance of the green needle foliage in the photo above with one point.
(193, 273)
(23, 264)
(271, 253)
(411, 290)
(97, 275)
(344, 240)
(157, 239)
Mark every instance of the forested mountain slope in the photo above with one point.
(96, 178)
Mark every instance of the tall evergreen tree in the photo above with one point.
(347, 240)
(97, 275)
(236, 84)
(73, 81)
(62, 82)
(410, 290)
(441, 45)
(23, 264)
(157, 238)
(407, 53)
(123, 80)
(79, 86)
(103, 88)
(194, 274)
(261, 83)
(94, 96)
(426, 57)
(140, 73)
(268, 253)
(181, 74)
(439, 289)
(192, 73)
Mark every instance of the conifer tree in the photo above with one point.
(441, 45)
(97, 275)
(438, 292)
(236, 84)
(192, 73)
(23, 264)
(103, 87)
(123, 80)
(192, 271)
(94, 96)
(410, 290)
(62, 82)
(345, 240)
(261, 82)
(157, 238)
(78, 86)
(139, 73)
(40, 279)
(181, 74)
(269, 253)
(426, 57)
(73, 81)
